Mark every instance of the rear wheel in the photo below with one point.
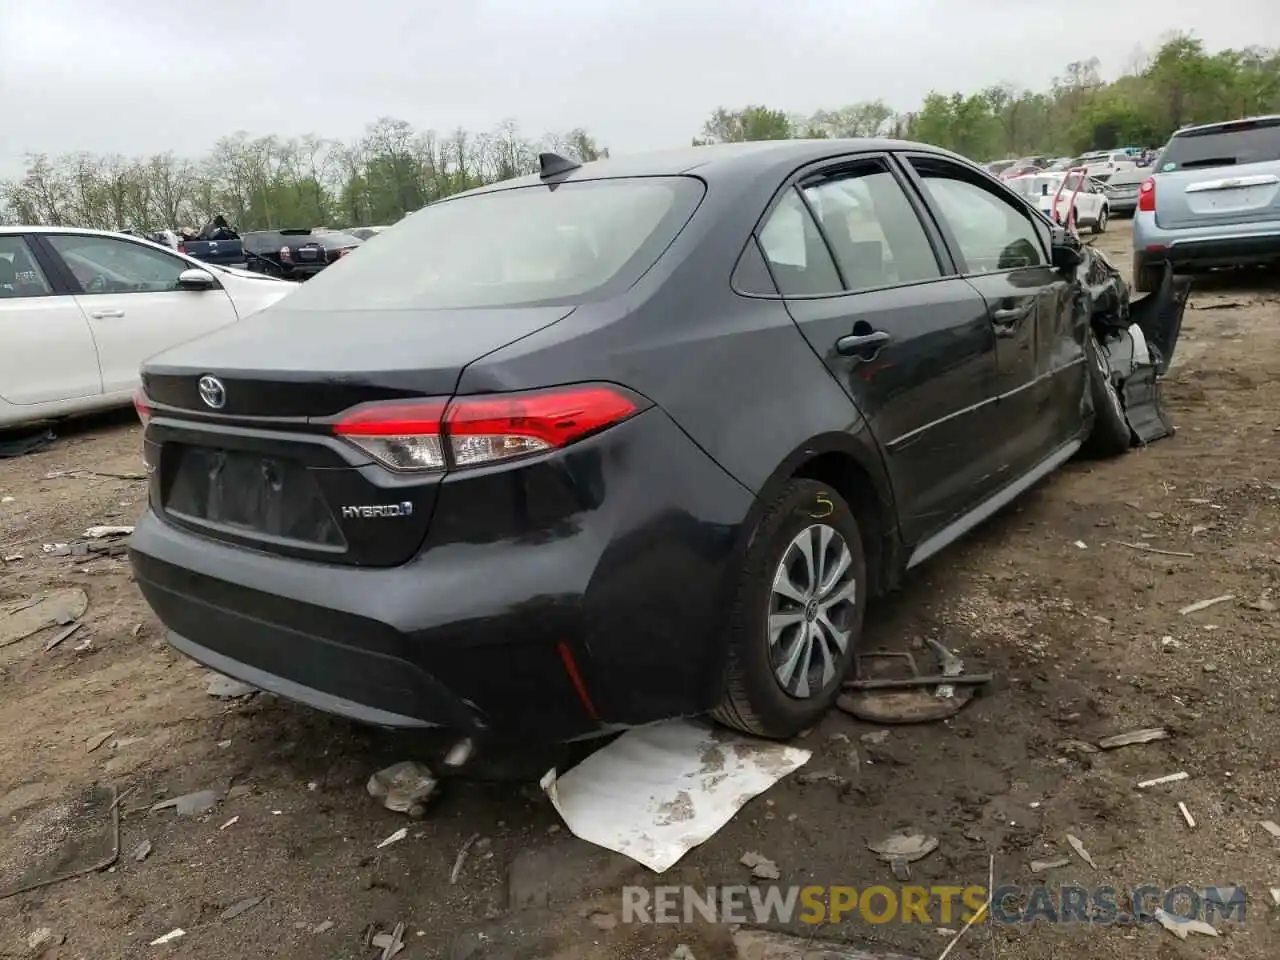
(1100, 225)
(797, 614)
(1110, 435)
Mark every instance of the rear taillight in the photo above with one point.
(1147, 195)
(424, 436)
(143, 408)
(286, 254)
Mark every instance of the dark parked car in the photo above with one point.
(628, 440)
(296, 254)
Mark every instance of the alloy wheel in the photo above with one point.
(811, 605)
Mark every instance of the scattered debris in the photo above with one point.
(394, 838)
(230, 823)
(462, 858)
(323, 927)
(404, 787)
(244, 906)
(978, 914)
(1262, 604)
(1147, 548)
(62, 635)
(1275, 896)
(99, 533)
(1081, 545)
(762, 868)
(169, 937)
(1206, 604)
(1186, 815)
(226, 688)
(1133, 737)
(393, 943)
(1271, 827)
(875, 737)
(903, 848)
(1041, 866)
(459, 753)
(682, 952)
(190, 804)
(1081, 852)
(55, 608)
(656, 792)
(43, 937)
(20, 442)
(97, 740)
(1158, 781)
(75, 834)
(141, 851)
(1181, 926)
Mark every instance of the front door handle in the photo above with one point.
(861, 344)
(111, 313)
(1006, 319)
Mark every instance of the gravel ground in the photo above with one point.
(1086, 640)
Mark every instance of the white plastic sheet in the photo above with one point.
(657, 792)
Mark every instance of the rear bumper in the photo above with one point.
(1210, 247)
(606, 616)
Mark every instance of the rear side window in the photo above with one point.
(20, 275)
(1228, 145)
(798, 256)
(516, 247)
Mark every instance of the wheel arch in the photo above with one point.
(852, 465)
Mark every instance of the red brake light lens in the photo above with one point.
(432, 435)
(1147, 195)
(143, 408)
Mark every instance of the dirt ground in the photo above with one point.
(1084, 632)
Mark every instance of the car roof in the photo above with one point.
(85, 231)
(721, 161)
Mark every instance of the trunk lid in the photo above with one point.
(263, 468)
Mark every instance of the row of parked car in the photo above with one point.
(289, 254)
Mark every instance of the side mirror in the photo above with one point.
(1066, 250)
(194, 279)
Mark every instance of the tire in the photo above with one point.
(1147, 277)
(1100, 225)
(755, 700)
(1111, 435)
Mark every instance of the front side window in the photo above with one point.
(993, 235)
(877, 239)
(20, 275)
(108, 265)
(542, 244)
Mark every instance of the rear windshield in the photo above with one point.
(515, 247)
(1237, 143)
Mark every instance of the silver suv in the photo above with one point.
(1213, 199)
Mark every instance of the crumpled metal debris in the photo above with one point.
(404, 787)
(190, 804)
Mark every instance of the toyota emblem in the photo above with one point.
(212, 392)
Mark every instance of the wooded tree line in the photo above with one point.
(394, 169)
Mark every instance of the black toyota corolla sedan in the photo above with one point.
(625, 440)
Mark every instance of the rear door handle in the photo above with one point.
(1006, 320)
(111, 313)
(857, 344)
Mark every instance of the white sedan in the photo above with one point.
(81, 309)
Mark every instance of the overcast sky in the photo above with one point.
(144, 76)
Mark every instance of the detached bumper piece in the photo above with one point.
(1144, 352)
